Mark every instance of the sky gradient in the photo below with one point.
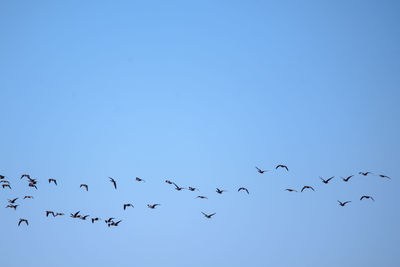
(201, 92)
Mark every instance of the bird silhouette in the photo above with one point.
(84, 217)
(4, 182)
(49, 212)
(261, 171)
(290, 190)
(25, 175)
(32, 185)
(343, 203)
(347, 178)
(365, 173)
(75, 215)
(114, 223)
(219, 191)
(109, 220)
(140, 179)
(6, 185)
(244, 189)
(113, 182)
(282, 166)
(12, 206)
(307, 187)
(53, 180)
(2, 177)
(95, 219)
(168, 182)
(208, 216)
(128, 205)
(193, 188)
(384, 176)
(153, 206)
(367, 197)
(202, 197)
(12, 201)
(85, 186)
(23, 220)
(177, 187)
(31, 197)
(327, 180)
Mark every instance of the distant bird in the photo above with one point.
(53, 180)
(307, 187)
(113, 182)
(12, 201)
(32, 185)
(347, 178)
(202, 197)
(261, 171)
(192, 188)
(4, 181)
(95, 219)
(12, 206)
(59, 214)
(23, 220)
(128, 205)
(25, 175)
(384, 176)
(168, 182)
(177, 187)
(75, 215)
(365, 173)
(290, 190)
(219, 191)
(243, 188)
(32, 181)
(208, 216)
(367, 197)
(6, 185)
(49, 212)
(84, 217)
(109, 220)
(114, 223)
(282, 166)
(140, 179)
(153, 206)
(2, 177)
(85, 186)
(343, 203)
(327, 180)
(31, 197)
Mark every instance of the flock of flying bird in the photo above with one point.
(111, 221)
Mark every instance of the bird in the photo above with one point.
(327, 180)
(2, 177)
(32, 181)
(25, 175)
(6, 185)
(202, 197)
(177, 187)
(192, 188)
(109, 220)
(290, 190)
(53, 180)
(282, 166)
(219, 191)
(114, 223)
(12, 206)
(347, 178)
(365, 173)
(243, 188)
(153, 206)
(367, 197)
(59, 214)
(75, 215)
(208, 216)
(32, 185)
(343, 203)
(23, 220)
(4, 181)
(31, 197)
(85, 186)
(306, 186)
(140, 179)
(95, 219)
(384, 176)
(114, 182)
(261, 171)
(168, 182)
(128, 205)
(49, 212)
(84, 217)
(12, 201)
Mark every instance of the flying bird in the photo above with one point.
(84, 217)
(153, 206)
(2, 177)
(327, 180)
(75, 215)
(53, 180)
(114, 223)
(6, 185)
(261, 171)
(128, 205)
(384, 176)
(307, 187)
(282, 166)
(243, 188)
(177, 187)
(347, 178)
(193, 188)
(12, 201)
(12, 206)
(31, 197)
(32, 185)
(367, 197)
(219, 191)
(202, 197)
(365, 173)
(4, 181)
(23, 220)
(109, 220)
(85, 186)
(343, 203)
(140, 179)
(290, 190)
(168, 182)
(25, 175)
(208, 216)
(113, 182)
(95, 219)
(49, 212)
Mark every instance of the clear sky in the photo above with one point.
(201, 92)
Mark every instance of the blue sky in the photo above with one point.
(201, 92)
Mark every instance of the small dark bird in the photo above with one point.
(49, 212)
(75, 215)
(365, 173)
(113, 182)
(193, 188)
(343, 203)
(6, 185)
(347, 178)
(140, 179)
(95, 219)
(202, 197)
(84, 217)
(114, 223)
(109, 220)
(25, 175)
(168, 182)
(85, 186)
(327, 180)
(307, 187)
(282, 166)
(59, 214)
(261, 171)
(4, 181)
(12, 206)
(32, 181)
(153, 206)
(32, 185)
(53, 180)
(128, 205)
(243, 188)
(208, 216)
(219, 191)
(23, 220)
(31, 197)
(290, 190)
(384, 176)
(12, 201)
(367, 197)
(2, 177)
(177, 187)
